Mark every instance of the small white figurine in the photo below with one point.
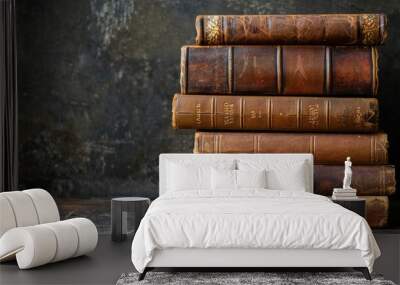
(348, 173)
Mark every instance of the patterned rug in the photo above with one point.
(273, 278)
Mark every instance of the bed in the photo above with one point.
(247, 210)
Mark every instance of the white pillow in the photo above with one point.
(223, 179)
(193, 174)
(251, 178)
(181, 177)
(227, 179)
(281, 174)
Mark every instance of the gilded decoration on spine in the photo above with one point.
(214, 30)
(369, 25)
(313, 117)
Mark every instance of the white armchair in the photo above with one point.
(31, 230)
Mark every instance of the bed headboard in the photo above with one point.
(166, 157)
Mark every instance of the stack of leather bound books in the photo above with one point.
(291, 84)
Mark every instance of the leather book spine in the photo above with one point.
(376, 180)
(275, 113)
(280, 70)
(364, 149)
(331, 29)
(377, 211)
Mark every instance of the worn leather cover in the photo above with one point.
(280, 70)
(376, 180)
(334, 29)
(364, 149)
(275, 113)
(377, 211)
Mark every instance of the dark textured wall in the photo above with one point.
(97, 78)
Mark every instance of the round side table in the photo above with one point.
(126, 214)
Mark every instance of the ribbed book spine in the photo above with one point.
(327, 148)
(280, 70)
(374, 180)
(334, 29)
(275, 113)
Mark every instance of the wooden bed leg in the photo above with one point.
(142, 275)
(364, 271)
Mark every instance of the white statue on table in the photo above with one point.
(347, 192)
(348, 173)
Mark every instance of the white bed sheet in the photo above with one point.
(250, 218)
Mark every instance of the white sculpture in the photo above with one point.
(348, 173)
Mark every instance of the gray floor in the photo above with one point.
(103, 266)
(110, 260)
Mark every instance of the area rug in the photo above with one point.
(273, 278)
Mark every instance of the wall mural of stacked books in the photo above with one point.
(291, 84)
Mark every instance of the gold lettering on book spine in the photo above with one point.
(255, 114)
(228, 114)
(369, 25)
(214, 30)
(197, 114)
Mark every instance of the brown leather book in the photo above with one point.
(333, 29)
(280, 70)
(275, 113)
(377, 211)
(372, 180)
(327, 148)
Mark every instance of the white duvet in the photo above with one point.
(250, 219)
